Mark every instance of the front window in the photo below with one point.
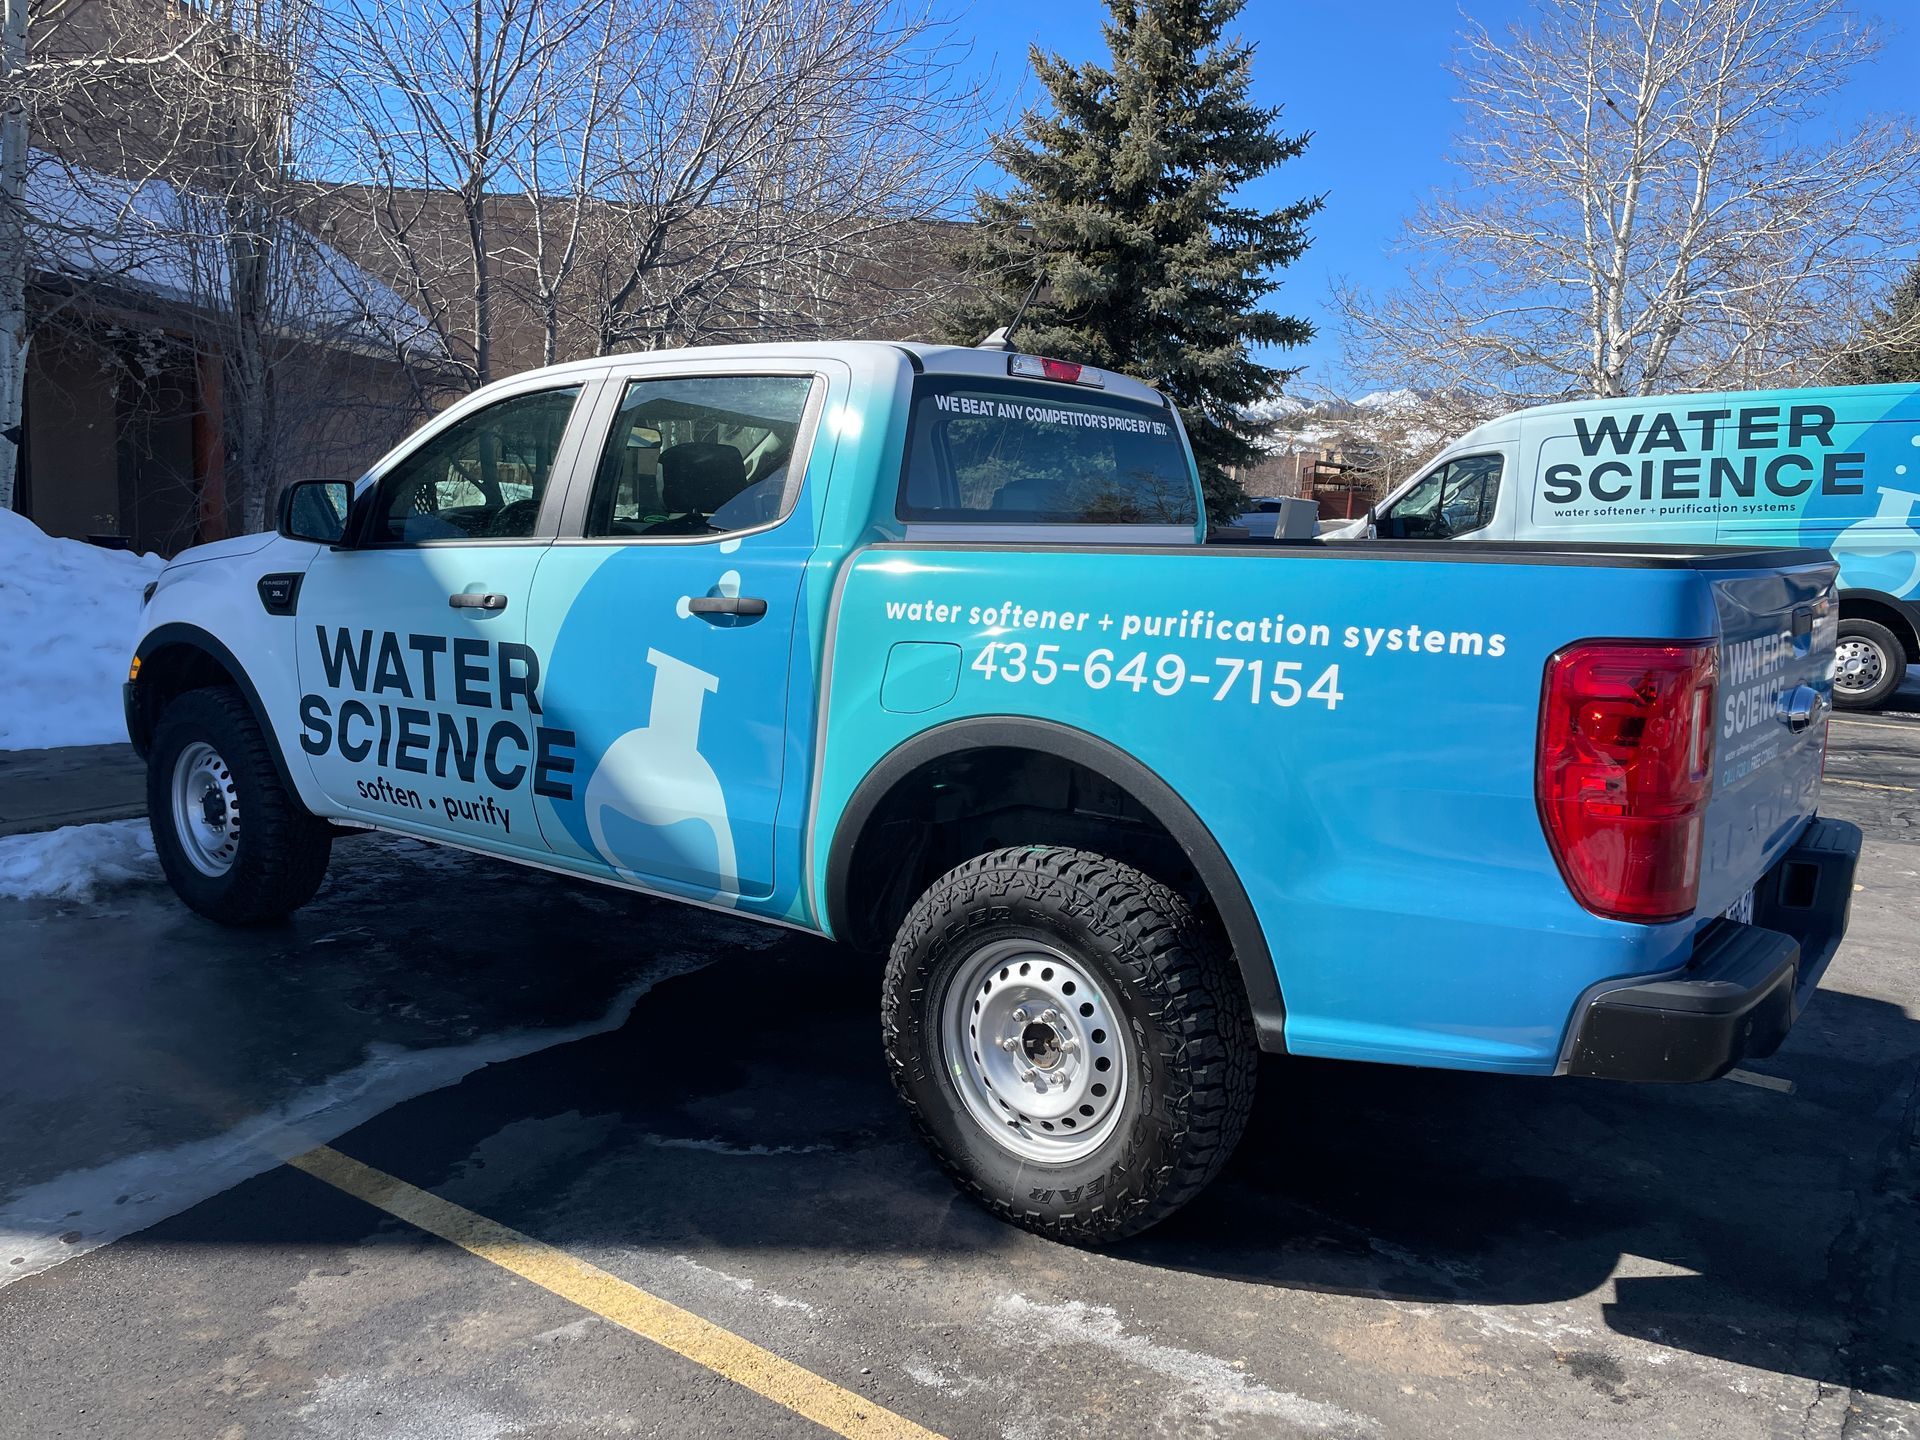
(1454, 500)
(986, 451)
(481, 478)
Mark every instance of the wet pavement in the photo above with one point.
(697, 1106)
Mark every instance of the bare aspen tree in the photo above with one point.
(778, 174)
(52, 54)
(1650, 198)
(436, 102)
(548, 180)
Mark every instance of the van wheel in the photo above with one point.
(234, 844)
(1868, 666)
(1071, 1044)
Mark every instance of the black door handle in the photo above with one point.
(472, 600)
(726, 605)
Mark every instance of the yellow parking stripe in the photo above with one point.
(1866, 784)
(612, 1298)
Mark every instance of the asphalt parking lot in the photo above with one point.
(547, 1108)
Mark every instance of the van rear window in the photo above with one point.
(984, 451)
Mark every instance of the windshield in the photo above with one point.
(1002, 452)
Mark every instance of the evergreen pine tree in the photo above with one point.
(1889, 352)
(1123, 204)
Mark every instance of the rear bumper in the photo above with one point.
(1746, 984)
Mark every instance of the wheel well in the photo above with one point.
(1891, 616)
(166, 673)
(965, 803)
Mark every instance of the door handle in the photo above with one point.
(472, 600)
(726, 605)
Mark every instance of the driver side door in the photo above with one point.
(1456, 500)
(421, 707)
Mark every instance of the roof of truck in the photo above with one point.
(938, 359)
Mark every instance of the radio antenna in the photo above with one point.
(1002, 339)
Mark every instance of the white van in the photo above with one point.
(1836, 469)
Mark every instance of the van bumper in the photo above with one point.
(1746, 984)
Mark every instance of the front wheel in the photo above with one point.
(1869, 665)
(235, 844)
(1071, 1044)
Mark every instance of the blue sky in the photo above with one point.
(1367, 77)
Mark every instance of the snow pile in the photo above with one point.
(77, 862)
(67, 617)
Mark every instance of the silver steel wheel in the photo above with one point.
(1858, 665)
(1036, 1049)
(206, 809)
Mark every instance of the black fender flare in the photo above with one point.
(1159, 799)
(177, 633)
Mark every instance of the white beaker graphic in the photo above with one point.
(655, 777)
(1882, 552)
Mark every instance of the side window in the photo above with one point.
(700, 455)
(481, 479)
(1456, 499)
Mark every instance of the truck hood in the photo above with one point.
(224, 549)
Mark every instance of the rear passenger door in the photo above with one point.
(668, 612)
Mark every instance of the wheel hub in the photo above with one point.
(1033, 1047)
(1857, 665)
(1042, 1045)
(206, 809)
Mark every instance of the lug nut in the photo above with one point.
(1012, 1042)
(1050, 1017)
(1020, 1015)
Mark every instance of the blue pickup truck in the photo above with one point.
(926, 649)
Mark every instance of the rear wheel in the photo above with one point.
(1070, 1042)
(234, 843)
(1869, 664)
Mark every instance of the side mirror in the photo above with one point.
(316, 511)
(643, 437)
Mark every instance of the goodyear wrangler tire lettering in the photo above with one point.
(1181, 1016)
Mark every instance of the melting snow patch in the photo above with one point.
(1208, 1384)
(78, 861)
(1525, 1323)
(746, 1286)
(722, 1147)
(71, 1214)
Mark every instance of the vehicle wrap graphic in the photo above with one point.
(1832, 469)
(1285, 700)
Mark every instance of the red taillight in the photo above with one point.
(1626, 769)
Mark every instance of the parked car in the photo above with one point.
(1835, 469)
(1279, 517)
(924, 649)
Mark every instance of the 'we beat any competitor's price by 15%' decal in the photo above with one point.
(1257, 682)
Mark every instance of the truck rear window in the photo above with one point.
(995, 452)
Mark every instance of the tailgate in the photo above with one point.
(1778, 629)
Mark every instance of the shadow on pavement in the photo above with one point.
(1745, 1224)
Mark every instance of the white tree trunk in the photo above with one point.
(13, 254)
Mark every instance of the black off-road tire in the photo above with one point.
(1893, 664)
(1193, 1055)
(282, 850)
